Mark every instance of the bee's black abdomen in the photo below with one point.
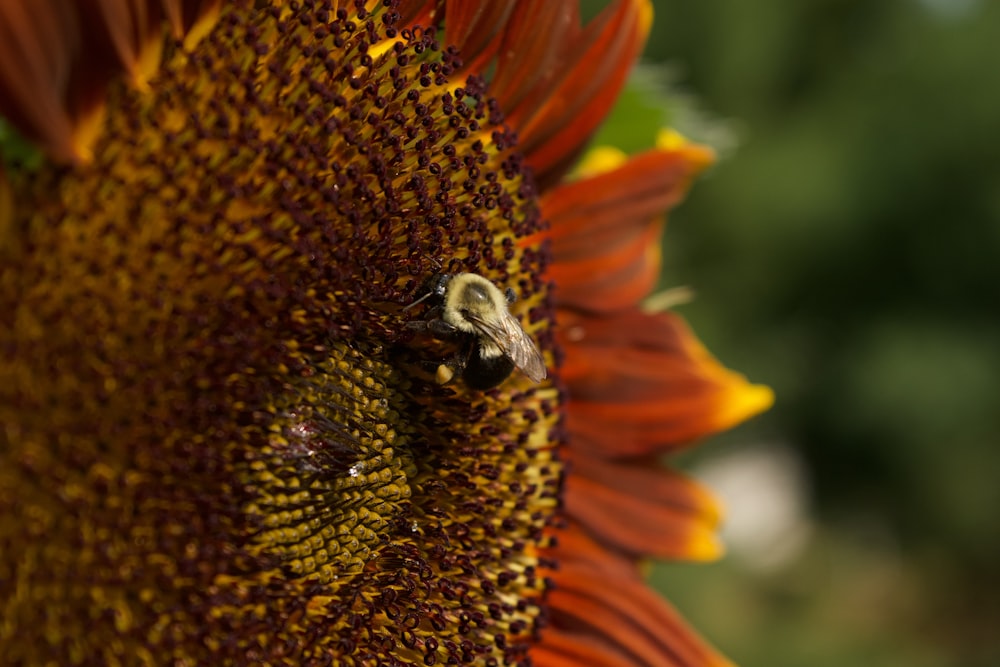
(485, 373)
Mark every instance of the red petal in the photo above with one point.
(640, 383)
(629, 616)
(556, 94)
(191, 19)
(524, 59)
(645, 186)
(417, 12)
(605, 230)
(57, 57)
(38, 43)
(643, 508)
(600, 596)
(565, 649)
(477, 29)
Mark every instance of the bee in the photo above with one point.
(472, 311)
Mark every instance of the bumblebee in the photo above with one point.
(471, 311)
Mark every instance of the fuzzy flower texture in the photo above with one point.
(220, 443)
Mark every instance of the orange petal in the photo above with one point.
(643, 509)
(605, 229)
(621, 612)
(556, 94)
(640, 383)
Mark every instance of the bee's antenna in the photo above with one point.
(423, 298)
(436, 283)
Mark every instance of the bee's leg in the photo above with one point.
(422, 323)
(511, 296)
(442, 329)
(437, 328)
(453, 367)
(444, 372)
(417, 326)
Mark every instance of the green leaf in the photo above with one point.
(653, 100)
(16, 152)
(642, 109)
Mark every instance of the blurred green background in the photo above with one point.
(845, 252)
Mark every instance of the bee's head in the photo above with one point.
(470, 295)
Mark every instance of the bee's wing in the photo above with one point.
(510, 337)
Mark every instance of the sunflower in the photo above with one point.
(220, 442)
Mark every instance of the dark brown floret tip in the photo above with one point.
(361, 168)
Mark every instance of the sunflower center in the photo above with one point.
(236, 257)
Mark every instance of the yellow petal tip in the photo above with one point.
(700, 156)
(645, 17)
(742, 402)
(670, 139)
(600, 160)
(704, 546)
